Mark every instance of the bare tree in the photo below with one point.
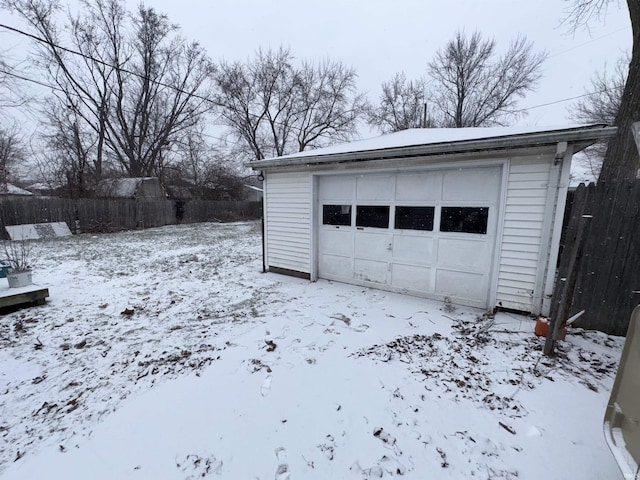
(472, 86)
(74, 149)
(256, 101)
(207, 170)
(601, 105)
(403, 105)
(161, 98)
(11, 93)
(327, 104)
(129, 85)
(11, 152)
(194, 153)
(78, 92)
(602, 102)
(198, 159)
(274, 107)
(621, 158)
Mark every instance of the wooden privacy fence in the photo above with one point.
(109, 215)
(220, 211)
(607, 273)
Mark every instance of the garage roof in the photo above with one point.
(442, 141)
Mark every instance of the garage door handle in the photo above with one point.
(390, 247)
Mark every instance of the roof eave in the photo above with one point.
(585, 137)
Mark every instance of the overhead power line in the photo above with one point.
(109, 65)
(568, 99)
(30, 80)
(555, 102)
(209, 100)
(102, 62)
(575, 47)
(56, 88)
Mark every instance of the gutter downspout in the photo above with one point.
(552, 228)
(561, 204)
(262, 222)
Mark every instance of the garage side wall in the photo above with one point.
(287, 215)
(523, 232)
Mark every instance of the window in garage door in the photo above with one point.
(464, 219)
(375, 216)
(338, 215)
(414, 218)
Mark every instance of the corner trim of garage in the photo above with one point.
(291, 273)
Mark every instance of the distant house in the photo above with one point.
(139, 188)
(473, 215)
(252, 193)
(14, 191)
(40, 188)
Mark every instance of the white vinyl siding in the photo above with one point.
(288, 221)
(523, 223)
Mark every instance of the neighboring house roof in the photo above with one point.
(13, 190)
(442, 141)
(46, 188)
(40, 186)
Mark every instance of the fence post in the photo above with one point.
(558, 323)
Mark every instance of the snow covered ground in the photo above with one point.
(167, 354)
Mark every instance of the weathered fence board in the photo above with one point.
(608, 273)
(220, 211)
(108, 215)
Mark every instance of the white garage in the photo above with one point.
(470, 215)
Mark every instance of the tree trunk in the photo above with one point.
(621, 161)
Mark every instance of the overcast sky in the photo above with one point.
(382, 37)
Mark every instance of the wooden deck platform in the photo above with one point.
(21, 297)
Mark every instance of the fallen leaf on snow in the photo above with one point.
(271, 345)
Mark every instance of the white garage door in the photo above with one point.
(427, 233)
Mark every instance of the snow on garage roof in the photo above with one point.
(433, 141)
